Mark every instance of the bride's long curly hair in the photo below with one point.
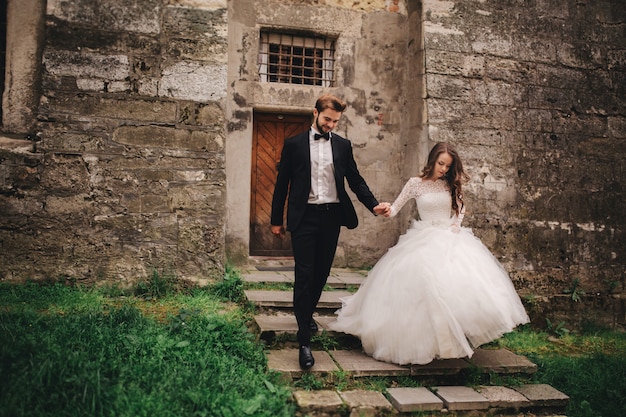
(455, 175)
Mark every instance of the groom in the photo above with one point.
(311, 174)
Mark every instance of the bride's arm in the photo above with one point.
(408, 191)
(458, 218)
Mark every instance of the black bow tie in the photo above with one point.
(317, 136)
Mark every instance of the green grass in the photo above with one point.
(589, 366)
(75, 352)
(167, 349)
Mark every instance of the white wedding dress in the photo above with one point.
(436, 294)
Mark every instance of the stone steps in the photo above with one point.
(535, 399)
(330, 300)
(443, 390)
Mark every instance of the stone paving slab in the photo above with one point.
(347, 280)
(286, 361)
(335, 281)
(265, 298)
(268, 277)
(284, 299)
(543, 395)
(345, 272)
(324, 321)
(503, 397)
(440, 367)
(502, 361)
(420, 399)
(287, 324)
(461, 398)
(407, 399)
(365, 403)
(323, 400)
(343, 282)
(273, 324)
(360, 364)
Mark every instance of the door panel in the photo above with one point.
(269, 133)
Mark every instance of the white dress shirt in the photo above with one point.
(323, 187)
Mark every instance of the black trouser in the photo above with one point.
(314, 244)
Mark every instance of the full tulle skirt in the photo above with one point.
(436, 294)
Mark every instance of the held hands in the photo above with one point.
(383, 209)
(455, 228)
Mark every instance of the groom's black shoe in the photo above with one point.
(306, 357)
(313, 326)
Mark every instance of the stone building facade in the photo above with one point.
(134, 132)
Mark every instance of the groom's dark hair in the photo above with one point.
(329, 101)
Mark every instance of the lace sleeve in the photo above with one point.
(458, 218)
(410, 190)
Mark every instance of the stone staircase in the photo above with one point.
(439, 388)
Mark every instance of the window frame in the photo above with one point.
(322, 75)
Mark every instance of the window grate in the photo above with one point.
(285, 58)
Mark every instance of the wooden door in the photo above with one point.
(269, 133)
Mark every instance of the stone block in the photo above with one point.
(138, 110)
(502, 361)
(360, 364)
(461, 398)
(285, 361)
(87, 65)
(456, 88)
(165, 137)
(407, 400)
(328, 300)
(364, 403)
(201, 197)
(267, 277)
(194, 81)
(318, 401)
(276, 324)
(543, 395)
(151, 203)
(503, 397)
(120, 15)
(440, 367)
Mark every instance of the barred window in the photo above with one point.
(286, 58)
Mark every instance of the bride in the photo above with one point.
(438, 293)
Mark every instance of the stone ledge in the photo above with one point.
(16, 145)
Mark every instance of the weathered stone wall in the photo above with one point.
(142, 150)
(533, 93)
(128, 173)
(378, 64)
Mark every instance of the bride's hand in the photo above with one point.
(383, 209)
(455, 228)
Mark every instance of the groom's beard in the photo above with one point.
(317, 125)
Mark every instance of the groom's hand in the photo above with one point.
(383, 209)
(278, 231)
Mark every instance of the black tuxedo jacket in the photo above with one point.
(294, 178)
